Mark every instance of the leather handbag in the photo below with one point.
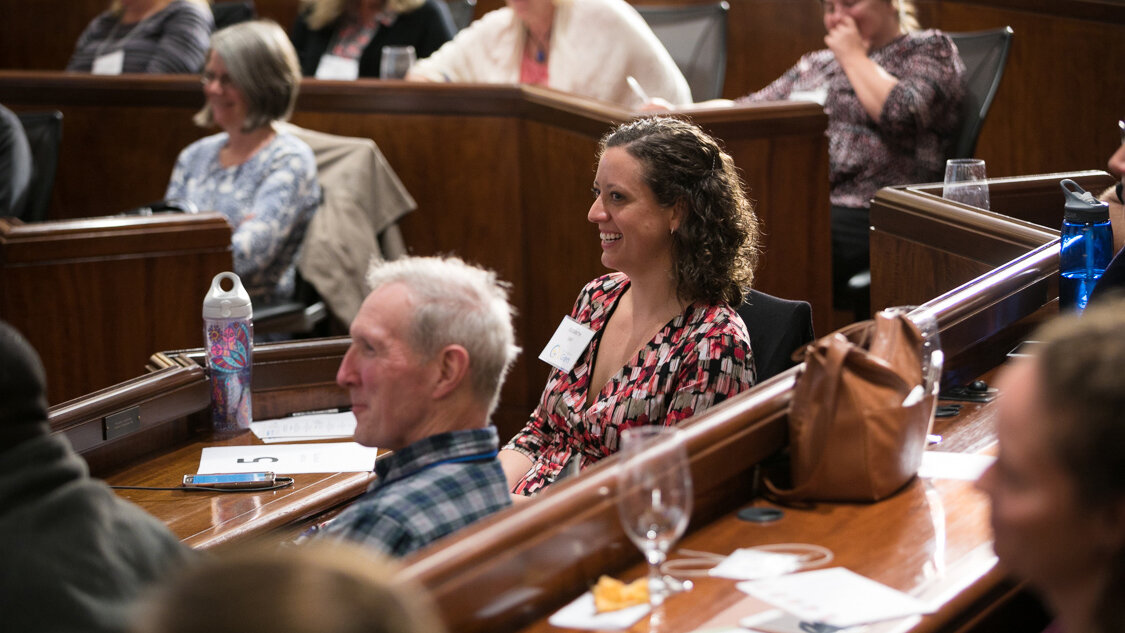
(859, 414)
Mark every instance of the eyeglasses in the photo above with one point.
(224, 80)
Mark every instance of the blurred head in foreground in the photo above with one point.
(319, 588)
(1058, 485)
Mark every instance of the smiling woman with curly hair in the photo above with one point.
(675, 223)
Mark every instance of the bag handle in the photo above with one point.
(858, 333)
(838, 347)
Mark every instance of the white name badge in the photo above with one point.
(109, 64)
(336, 67)
(566, 344)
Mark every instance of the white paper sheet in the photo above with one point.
(306, 427)
(946, 465)
(834, 596)
(752, 564)
(581, 614)
(778, 621)
(288, 459)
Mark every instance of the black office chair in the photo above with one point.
(44, 134)
(228, 12)
(462, 12)
(303, 316)
(696, 37)
(777, 328)
(985, 54)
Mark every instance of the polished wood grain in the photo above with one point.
(501, 175)
(96, 296)
(207, 520)
(931, 540)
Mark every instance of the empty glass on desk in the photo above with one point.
(396, 60)
(965, 181)
(654, 499)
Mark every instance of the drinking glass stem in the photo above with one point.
(657, 588)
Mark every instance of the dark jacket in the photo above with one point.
(425, 28)
(73, 555)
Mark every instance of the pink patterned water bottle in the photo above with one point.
(229, 340)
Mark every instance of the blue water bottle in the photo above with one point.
(229, 341)
(1087, 246)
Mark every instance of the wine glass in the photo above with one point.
(654, 499)
(965, 181)
(396, 61)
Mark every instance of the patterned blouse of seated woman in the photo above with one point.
(663, 341)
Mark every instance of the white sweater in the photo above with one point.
(595, 45)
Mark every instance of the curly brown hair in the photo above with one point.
(715, 247)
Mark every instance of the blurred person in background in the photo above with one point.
(349, 35)
(893, 96)
(145, 36)
(263, 180)
(585, 47)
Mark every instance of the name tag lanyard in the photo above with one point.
(100, 53)
(335, 63)
(476, 457)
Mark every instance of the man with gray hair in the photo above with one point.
(430, 348)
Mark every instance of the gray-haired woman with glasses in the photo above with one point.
(262, 179)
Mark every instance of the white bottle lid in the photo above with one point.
(227, 304)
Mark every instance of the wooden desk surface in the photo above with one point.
(932, 540)
(209, 519)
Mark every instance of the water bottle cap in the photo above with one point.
(1081, 206)
(227, 304)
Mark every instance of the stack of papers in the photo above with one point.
(836, 597)
(306, 427)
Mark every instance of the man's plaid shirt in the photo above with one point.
(425, 491)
